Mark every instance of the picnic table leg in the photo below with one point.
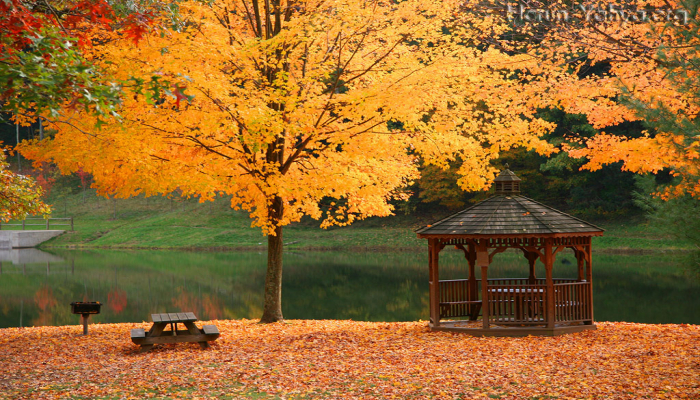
(155, 331)
(192, 328)
(145, 347)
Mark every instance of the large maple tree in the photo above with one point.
(318, 108)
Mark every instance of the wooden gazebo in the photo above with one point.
(519, 306)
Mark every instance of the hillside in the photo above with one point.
(160, 222)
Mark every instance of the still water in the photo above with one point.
(36, 288)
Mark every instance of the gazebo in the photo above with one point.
(518, 306)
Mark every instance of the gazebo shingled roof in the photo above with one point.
(508, 215)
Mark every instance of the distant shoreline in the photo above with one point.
(376, 249)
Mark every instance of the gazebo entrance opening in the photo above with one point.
(529, 305)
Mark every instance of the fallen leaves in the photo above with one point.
(346, 359)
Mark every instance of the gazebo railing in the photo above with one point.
(516, 301)
(572, 302)
(516, 304)
(455, 298)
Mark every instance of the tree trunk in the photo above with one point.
(272, 311)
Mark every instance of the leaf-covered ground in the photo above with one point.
(352, 360)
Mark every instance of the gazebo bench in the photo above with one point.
(445, 305)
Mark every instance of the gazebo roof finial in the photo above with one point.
(507, 183)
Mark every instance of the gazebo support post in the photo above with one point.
(550, 282)
(484, 296)
(589, 279)
(580, 259)
(433, 249)
(473, 285)
(532, 260)
(482, 260)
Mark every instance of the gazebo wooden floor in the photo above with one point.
(475, 328)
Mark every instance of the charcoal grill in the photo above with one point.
(85, 309)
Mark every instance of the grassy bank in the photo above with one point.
(179, 223)
(351, 360)
(159, 222)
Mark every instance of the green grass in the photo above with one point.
(638, 235)
(160, 222)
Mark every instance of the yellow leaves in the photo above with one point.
(342, 102)
(632, 61)
(643, 155)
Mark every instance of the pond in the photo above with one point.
(36, 288)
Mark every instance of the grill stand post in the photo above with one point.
(84, 319)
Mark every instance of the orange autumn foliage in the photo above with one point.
(347, 69)
(296, 103)
(20, 195)
(353, 360)
(647, 155)
(647, 71)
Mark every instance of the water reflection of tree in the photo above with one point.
(692, 266)
(46, 301)
(328, 285)
(404, 295)
(206, 306)
(116, 300)
(356, 290)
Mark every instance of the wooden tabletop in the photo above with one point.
(173, 317)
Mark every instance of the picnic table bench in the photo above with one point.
(158, 335)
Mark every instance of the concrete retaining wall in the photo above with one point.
(24, 239)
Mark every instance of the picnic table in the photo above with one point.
(158, 335)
